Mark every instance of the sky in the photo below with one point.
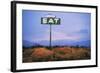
(74, 26)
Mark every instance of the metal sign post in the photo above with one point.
(50, 36)
(51, 20)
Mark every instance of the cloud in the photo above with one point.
(64, 36)
(58, 35)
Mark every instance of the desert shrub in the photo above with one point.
(27, 59)
(41, 54)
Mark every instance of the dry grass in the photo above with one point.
(55, 54)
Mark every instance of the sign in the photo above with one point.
(50, 20)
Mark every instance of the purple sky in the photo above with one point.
(74, 26)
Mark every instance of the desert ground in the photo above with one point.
(44, 54)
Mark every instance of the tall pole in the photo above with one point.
(50, 36)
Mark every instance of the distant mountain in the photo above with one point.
(84, 43)
(29, 44)
(57, 43)
(66, 43)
